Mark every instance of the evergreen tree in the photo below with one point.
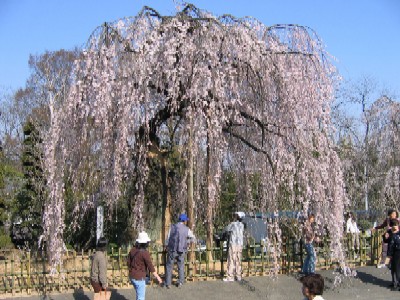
(27, 210)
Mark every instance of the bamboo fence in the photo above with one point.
(25, 272)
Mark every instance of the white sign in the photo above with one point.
(100, 222)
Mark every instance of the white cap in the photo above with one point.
(240, 214)
(143, 238)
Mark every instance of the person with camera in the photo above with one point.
(235, 246)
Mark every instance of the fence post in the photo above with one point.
(44, 273)
(83, 265)
(111, 258)
(207, 262)
(12, 274)
(28, 267)
(5, 275)
(75, 270)
(285, 255)
(120, 267)
(262, 257)
(301, 254)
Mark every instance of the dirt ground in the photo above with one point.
(370, 283)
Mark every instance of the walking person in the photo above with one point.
(177, 243)
(353, 233)
(139, 263)
(392, 215)
(309, 238)
(235, 247)
(98, 269)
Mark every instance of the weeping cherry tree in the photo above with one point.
(237, 94)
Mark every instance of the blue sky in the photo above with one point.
(364, 35)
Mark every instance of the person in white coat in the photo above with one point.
(353, 233)
(235, 247)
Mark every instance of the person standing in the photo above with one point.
(354, 234)
(177, 243)
(309, 238)
(139, 262)
(235, 247)
(392, 215)
(98, 270)
(392, 238)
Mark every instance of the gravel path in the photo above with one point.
(370, 283)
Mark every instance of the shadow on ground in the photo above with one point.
(371, 279)
(79, 294)
(115, 295)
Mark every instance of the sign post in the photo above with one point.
(100, 222)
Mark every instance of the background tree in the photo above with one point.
(5, 240)
(366, 139)
(10, 175)
(48, 83)
(385, 134)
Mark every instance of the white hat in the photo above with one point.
(240, 214)
(143, 238)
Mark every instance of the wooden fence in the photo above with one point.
(25, 272)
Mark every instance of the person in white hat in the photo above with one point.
(139, 262)
(235, 247)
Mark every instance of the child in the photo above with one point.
(394, 253)
(313, 286)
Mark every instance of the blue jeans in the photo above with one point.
(309, 262)
(180, 260)
(140, 288)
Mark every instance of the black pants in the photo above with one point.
(395, 268)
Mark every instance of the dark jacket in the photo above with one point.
(394, 243)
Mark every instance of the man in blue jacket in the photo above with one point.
(177, 242)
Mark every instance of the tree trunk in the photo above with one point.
(190, 203)
(166, 205)
(209, 210)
